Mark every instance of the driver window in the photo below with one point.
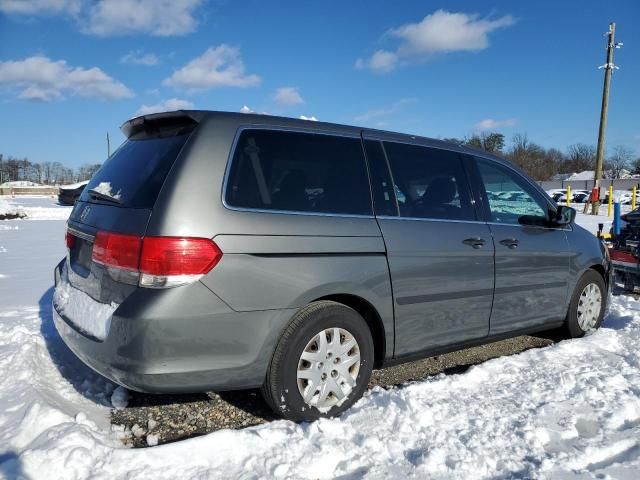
(509, 196)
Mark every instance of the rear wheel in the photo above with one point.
(322, 363)
(587, 307)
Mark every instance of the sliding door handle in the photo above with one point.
(475, 242)
(510, 242)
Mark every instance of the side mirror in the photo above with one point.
(564, 215)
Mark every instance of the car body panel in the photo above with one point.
(443, 288)
(531, 279)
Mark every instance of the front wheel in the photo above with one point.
(322, 363)
(588, 303)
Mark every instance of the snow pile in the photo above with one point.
(22, 183)
(33, 208)
(50, 405)
(73, 186)
(84, 312)
(10, 211)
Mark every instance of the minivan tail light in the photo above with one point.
(161, 262)
(117, 250)
(178, 256)
(69, 239)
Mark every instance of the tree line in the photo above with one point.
(539, 162)
(47, 173)
(544, 163)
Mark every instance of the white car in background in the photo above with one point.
(622, 196)
(577, 196)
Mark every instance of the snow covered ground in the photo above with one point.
(35, 207)
(571, 410)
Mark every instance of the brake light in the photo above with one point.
(117, 250)
(178, 256)
(161, 261)
(69, 239)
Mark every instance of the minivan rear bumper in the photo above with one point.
(178, 340)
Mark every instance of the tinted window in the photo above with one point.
(509, 195)
(302, 172)
(384, 202)
(429, 182)
(135, 172)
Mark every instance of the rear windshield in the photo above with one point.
(133, 175)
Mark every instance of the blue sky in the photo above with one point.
(72, 70)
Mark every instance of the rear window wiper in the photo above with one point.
(101, 196)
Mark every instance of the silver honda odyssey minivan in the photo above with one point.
(218, 251)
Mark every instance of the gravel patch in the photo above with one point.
(156, 419)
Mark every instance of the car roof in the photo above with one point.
(256, 119)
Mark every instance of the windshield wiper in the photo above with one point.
(101, 196)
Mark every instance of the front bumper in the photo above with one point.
(177, 341)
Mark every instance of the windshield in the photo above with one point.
(133, 175)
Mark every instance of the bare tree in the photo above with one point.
(618, 161)
(533, 159)
(580, 157)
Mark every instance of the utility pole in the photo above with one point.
(108, 146)
(608, 70)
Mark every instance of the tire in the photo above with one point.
(576, 320)
(283, 389)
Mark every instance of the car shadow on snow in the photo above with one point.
(85, 381)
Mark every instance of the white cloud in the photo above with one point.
(381, 61)
(220, 66)
(395, 107)
(437, 33)
(156, 17)
(138, 57)
(311, 118)
(246, 109)
(288, 96)
(40, 7)
(491, 124)
(115, 17)
(42, 79)
(167, 106)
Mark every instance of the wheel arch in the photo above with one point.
(371, 316)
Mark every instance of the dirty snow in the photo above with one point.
(8, 209)
(35, 207)
(571, 410)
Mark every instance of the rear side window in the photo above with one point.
(134, 174)
(429, 182)
(299, 172)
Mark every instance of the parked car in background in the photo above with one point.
(556, 193)
(577, 196)
(622, 196)
(68, 194)
(220, 251)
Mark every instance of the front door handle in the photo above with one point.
(475, 242)
(510, 242)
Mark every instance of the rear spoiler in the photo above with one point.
(162, 124)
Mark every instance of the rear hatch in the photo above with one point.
(119, 199)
